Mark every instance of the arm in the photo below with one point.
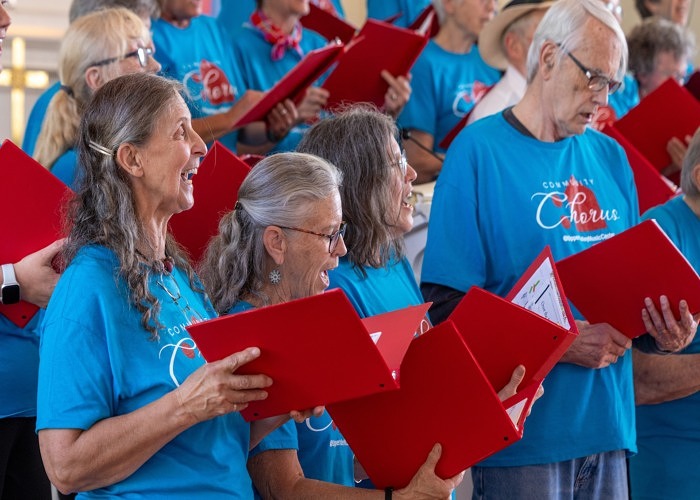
(36, 276)
(596, 346)
(113, 448)
(278, 474)
(260, 137)
(397, 95)
(215, 126)
(658, 379)
(426, 165)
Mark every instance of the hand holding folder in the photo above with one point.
(216, 185)
(37, 198)
(609, 281)
(316, 350)
(459, 366)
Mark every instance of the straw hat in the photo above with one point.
(491, 35)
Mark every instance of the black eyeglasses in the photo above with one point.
(142, 54)
(333, 238)
(596, 81)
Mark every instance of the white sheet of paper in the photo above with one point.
(540, 295)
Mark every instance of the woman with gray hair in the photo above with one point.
(279, 244)
(666, 388)
(127, 405)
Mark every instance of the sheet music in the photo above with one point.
(540, 295)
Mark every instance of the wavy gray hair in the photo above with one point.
(103, 212)
(692, 158)
(277, 192)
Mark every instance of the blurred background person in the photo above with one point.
(449, 77)
(676, 11)
(232, 15)
(666, 386)
(407, 10)
(96, 48)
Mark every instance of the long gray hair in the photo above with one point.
(357, 142)
(277, 192)
(692, 158)
(124, 110)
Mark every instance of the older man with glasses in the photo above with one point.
(536, 175)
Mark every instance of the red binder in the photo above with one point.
(316, 350)
(357, 76)
(37, 198)
(428, 15)
(652, 188)
(449, 382)
(216, 185)
(328, 25)
(294, 83)
(693, 85)
(667, 112)
(609, 281)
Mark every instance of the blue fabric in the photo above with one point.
(445, 88)
(98, 362)
(494, 209)
(36, 118)
(19, 366)
(66, 167)
(383, 290)
(234, 13)
(626, 97)
(384, 9)
(322, 450)
(668, 434)
(260, 72)
(200, 58)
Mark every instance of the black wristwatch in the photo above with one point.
(9, 291)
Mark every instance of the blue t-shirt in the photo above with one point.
(384, 9)
(260, 72)
(19, 366)
(626, 97)
(445, 87)
(234, 13)
(668, 434)
(200, 58)
(322, 450)
(98, 362)
(66, 167)
(36, 118)
(503, 196)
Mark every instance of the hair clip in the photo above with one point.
(67, 90)
(238, 206)
(100, 149)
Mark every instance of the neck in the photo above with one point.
(693, 203)
(175, 21)
(155, 232)
(453, 39)
(284, 22)
(529, 112)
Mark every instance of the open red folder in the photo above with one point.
(652, 188)
(378, 46)
(609, 281)
(216, 185)
(37, 199)
(317, 350)
(294, 83)
(328, 25)
(430, 16)
(693, 85)
(449, 382)
(667, 112)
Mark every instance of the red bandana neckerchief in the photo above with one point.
(280, 41)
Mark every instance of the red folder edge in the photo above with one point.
(37, 198)
(328, 25)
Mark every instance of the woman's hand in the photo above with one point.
(215, 389)
(596, 346)
(426, 484)
(398, 93)
(36, 276)
(314, 101)
(280, 120)
(671, 335)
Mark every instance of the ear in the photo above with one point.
(275, 242)
(129, 159)
(695, 175)
(548, 59)
(94, 78)
(512, 46)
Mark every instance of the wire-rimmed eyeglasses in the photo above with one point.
(333, 238)
(142, 54)
(596, 81)
(402, 163)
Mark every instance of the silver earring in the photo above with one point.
(275, 276)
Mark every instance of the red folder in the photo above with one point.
(667, 112)
(216, 185)
(294, 83)
(652, 188)
(693, 85)
(449, 382)
(37, 198)
(378, 46)
(428, 15)
(447, 140)
(316, 350)
(609, 281)
(328, 25)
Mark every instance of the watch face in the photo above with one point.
(10, 294)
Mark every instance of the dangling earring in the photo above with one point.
(275, 276)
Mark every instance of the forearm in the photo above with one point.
(212, 127)
(113, 448)
(659, 378)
